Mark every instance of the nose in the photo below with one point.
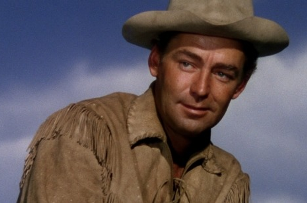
(200, 86)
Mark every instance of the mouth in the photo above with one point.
(195, 111)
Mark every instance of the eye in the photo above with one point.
(185, 65)
(223, 76)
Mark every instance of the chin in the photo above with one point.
(194, 131)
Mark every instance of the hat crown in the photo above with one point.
(216, 11)
(232, 19)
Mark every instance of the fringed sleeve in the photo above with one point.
(76, 141)
(239, 191)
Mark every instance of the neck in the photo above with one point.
(183, 147)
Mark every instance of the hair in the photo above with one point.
(250, 52)
(251, 57)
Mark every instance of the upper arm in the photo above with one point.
(69, 158)
(63, 171)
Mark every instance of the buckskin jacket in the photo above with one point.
(113, 149)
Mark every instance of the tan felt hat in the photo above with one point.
(222, 18)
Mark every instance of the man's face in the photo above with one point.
(196, 78)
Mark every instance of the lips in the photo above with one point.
(195, 111)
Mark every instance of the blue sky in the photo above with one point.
(53, 53)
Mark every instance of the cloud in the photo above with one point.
(135, 78)
(264, 128)
(12, 155)
(279, 198)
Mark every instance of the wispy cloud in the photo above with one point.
(279, 198)
(12, 155)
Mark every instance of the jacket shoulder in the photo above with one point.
(85, 122)
(225, 159)
(117, 102)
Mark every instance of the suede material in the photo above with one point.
(114, 149)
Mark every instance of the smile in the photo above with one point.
(195, 111)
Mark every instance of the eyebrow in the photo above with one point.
(228, 67)
(187, 53)
(199, 59)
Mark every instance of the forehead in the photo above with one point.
(204, 42)
(223, 49)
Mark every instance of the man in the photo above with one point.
(156, 147)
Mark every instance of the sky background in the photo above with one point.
(53, 53)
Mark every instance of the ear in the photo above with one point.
(154, 61)
(241, 87)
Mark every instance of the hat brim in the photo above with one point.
(265, 35)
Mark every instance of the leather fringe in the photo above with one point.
(89, 130)
(111, 198)
(239, 191)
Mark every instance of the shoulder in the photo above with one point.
(228, 163)
(84, 123)
(111, 99)
(79, 119)
(225, 159)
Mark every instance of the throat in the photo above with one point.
(182, 150)
(178, 170)
(179, 164)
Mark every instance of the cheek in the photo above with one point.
(175, 82)
(222, 94)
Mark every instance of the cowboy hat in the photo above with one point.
(222, 18)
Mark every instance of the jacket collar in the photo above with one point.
(143, 121)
